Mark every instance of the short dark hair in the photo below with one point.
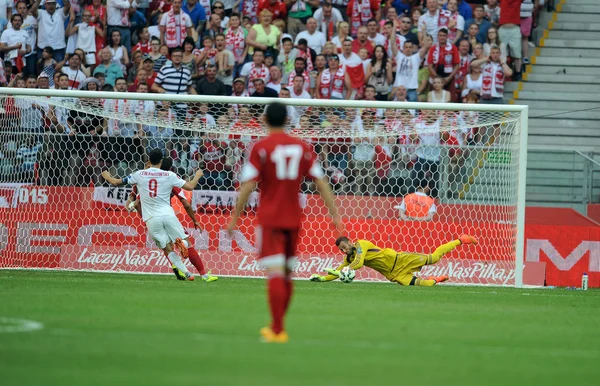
(155, 156)
(12, 19)
(276, 114)
(299, 59)
(340, 240)
(63, 75)
(49, 50)
(167, 164)
(177, 49)
(120, 78)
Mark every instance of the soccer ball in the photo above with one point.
(347, 275)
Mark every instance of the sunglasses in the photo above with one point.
(218, 8)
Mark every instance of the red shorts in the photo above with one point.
(277, 246)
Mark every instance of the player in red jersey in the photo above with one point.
(185, 246)
(278, 165)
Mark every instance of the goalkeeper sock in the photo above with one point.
(289, 286)
(196, 261)
(441, 251)
(277, 301)
(422, 282)
(175, 259)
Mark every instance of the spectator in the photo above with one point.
(263, 36)
(510, 32)
(190, 56)
(343, 34)
(107, 67)
(175, 26)
(397, 41)
(429, 22)
(359, 12)
(209, 84)
(492, 11)
(482, 24)
(473, 82)
(143, 45)
(239, 88)
(6, 10)
(206, 6)
(119, 53)
(464, 9)
(298, 14)
(334, 82)
(225, 63)
(456, 24)
(86, 35)
(362, 41)
(196, 13)
(218, 8)
(353, 66)
(214, 27)
(287, 57)
(478, 52)
(212, 155)
(463, 70)
(361, 166)
(418, 206)
(407, 70)
(254, 70)
(74, 72)
(280, 24)
(315, 39)
(426, 167)
(235, 41)
(402, 7)
(30, 25)
(99, 13)
(444, 60)
(473, 35)
(438, 94)
(206, 55)
(298, 90)
(116, 127)
(43, 81)
(304, 51)
(494, 40)
(14, 41)
(299, 70)
(276, 80)
(373, 33)
(327, 19)
(494, 72)
(51, 25)
(527, 9)
(157, 58)
(276, 7)
(118, 19)
(27, 155)
(415, 16)
(379, 73)
(262, 91)
(32, 112)
(46, 64)
(405, 31)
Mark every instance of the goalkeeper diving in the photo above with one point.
(398, 267)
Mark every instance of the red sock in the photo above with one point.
(290, 289)
(277, 302)
(196, 260)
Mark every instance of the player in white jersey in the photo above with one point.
(155, 186)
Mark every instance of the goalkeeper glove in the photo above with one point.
(316, 277)
(332, 271)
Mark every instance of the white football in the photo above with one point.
(347, 275)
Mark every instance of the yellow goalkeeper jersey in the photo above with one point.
(383, 260)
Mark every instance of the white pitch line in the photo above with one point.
(13, 325)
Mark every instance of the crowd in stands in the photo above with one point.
(406, 50)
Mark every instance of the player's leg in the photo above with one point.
(196, 261)
(410, 279)
(445, 248)
(272, 258)
(291, 244)
(174, 231)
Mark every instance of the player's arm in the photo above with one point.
(112, 180)
(245, 190)
(332, 273)
(190, 185)
(325, 191)
(189, 210)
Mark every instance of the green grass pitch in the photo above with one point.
(114, 329)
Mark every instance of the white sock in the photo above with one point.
(175, 259)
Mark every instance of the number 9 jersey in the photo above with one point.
(155, 187)
(279, 163)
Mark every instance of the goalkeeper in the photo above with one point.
(398, 267)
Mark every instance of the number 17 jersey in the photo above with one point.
(279, 163)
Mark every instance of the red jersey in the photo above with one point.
(279, 163)
(279, 9)
(145, 48)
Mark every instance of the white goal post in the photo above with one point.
(57, 212)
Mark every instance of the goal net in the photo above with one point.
(407, 176)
